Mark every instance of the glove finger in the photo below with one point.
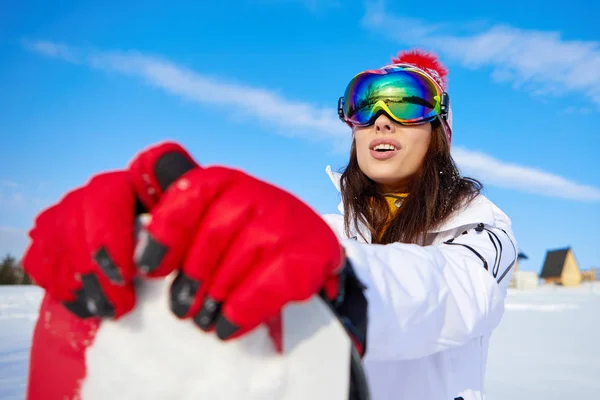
(90, 300)
(216, 233)
(247, 251)
(253, 302)
(175, 220)
(293, 270)
(58, 242)
(156, 168)
(42, 260)
(103, 250)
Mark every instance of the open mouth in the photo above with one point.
(383, 148)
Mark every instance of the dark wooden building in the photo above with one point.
(560, 267)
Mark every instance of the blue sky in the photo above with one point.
(254, 83)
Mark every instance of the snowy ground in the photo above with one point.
(545, 348)
(18, 312)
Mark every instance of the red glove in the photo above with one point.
(82, 248)
(246, 245)
(241, 243)
(244, 249)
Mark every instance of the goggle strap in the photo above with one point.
(341, 109)
(445, 105)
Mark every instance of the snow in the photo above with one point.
(18, 313)
(545, 347)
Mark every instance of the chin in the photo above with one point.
(385, 179)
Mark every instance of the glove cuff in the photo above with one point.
(350, 305)
(155, 169)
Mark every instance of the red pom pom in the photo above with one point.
(422, 60)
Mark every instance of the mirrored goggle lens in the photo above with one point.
(407, 96)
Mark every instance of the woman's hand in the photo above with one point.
(81, 249)
(243, 249)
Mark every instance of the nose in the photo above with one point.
(383, 124)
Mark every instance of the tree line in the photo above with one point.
(12, 272)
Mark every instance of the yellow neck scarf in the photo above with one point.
(394, 200)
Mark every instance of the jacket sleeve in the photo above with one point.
(425, 299)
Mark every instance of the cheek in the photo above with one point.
(362, 150)
(424, 146)
(420, 146)
(363, 162)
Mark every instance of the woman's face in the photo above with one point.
(390, 153)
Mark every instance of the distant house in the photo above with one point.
(590, 274)
(560, 267)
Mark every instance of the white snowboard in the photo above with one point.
(150, 354)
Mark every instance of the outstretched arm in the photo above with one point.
(425, 299)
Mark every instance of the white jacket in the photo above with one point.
(432, 308)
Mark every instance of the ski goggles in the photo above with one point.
(405, 94)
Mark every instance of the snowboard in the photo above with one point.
(151, 354)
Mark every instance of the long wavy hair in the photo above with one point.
(434, 192)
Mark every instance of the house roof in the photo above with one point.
(554, 263)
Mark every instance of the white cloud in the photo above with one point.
(513, 176)
(52, 49)
(541, 61)
(310, 121)
(307, 120)
(266, 105)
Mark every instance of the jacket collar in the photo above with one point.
(479, 210)
(336, 177)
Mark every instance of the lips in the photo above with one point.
(386, 148)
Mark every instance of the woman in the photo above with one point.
(416, 265)
(434, 254)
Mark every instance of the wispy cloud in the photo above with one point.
(53, 49)
(522, 178)
(539, 61)
(309, 121)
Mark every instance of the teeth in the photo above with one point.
(384, 147)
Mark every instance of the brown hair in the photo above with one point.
(435, 191)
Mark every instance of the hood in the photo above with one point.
(335, 179)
